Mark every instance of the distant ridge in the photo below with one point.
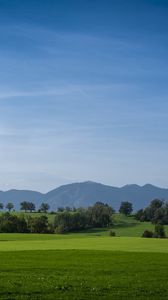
(86, 193)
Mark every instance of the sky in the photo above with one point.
(83, 92)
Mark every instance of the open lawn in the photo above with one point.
(19, 242)
(86, 265)
(81, 275)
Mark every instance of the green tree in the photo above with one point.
(156, 212)
(159, 231)
(27, 206)
(126, 208)
(165, 218)
(100, 215)
(24, 206)
(71, 221)
(158, 216)
(9, 206)
(156, 203)
(22, 225)
(1, 206)
(139, 215)
(11, 223)
(44, 207)
(60, 209)
(31, 206)
(38, 224)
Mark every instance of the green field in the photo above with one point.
(83, 275)
(85, 265)
(20, 242)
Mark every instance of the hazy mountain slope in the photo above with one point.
(82, 194)
(87, 193)
(17, 196)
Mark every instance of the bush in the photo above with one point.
(159, 231)
(147, 234)
(112, 233)
(10, 223)
(60, 229)
(38, 224)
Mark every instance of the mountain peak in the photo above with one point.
(89, 182)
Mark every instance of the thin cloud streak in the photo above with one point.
(64, 90)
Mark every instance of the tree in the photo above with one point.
(24, 206)
(140, 215)
(70, 221)
(154, 206)
(60, 209)
(8, 223)
(11, 223)
(1, 206)
(156, 203)
(44, 207)
(9, 206)
(148, 214)
(31, 206)
(159, 215)
(126, 208)
(22, 225)
(156, 212)
(100, 215)
(38, 224)
(165, 218)
(159, 231)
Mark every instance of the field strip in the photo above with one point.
(131, 244)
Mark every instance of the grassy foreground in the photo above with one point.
(20, 242)
(87, 265)
(78, 274)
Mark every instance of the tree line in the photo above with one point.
(156, 212)
(10, 223)
(98, 215)
(26, 207)
(125, 207)
(68, 219)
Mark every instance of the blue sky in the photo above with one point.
(83, 92)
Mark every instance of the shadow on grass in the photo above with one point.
(96, 231)
(125, 225)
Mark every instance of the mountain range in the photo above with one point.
(87, 193)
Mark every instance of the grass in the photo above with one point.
(86, 265)
(16, 242)
(128, 226)
(125, 226)
(83, 275)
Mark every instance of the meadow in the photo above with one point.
(83, 275)
(85, 265)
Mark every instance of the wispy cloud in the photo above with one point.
(39, 34)
(42, 92)
(65, 89)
